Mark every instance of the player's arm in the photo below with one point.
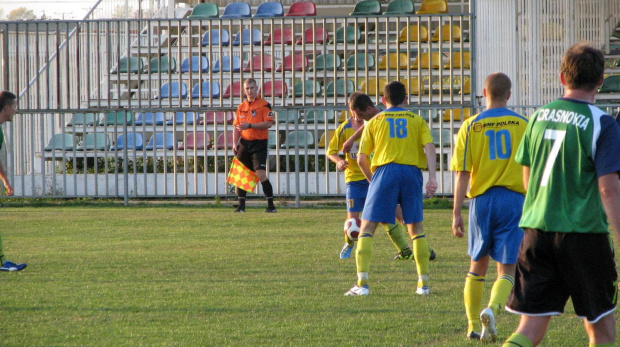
(341, 164)
(5, 181)
(609, 188)
(236, 132)
(364, 163)
(526, 176)
(431, 185)
(348, 144)
(462, 181)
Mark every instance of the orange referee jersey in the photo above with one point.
(254, 112)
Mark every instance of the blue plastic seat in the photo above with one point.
(132, 141)
(196, 63)
(269, 9)
(173, 90)
(255, 37)
(216, 37)
(209, 90)
(161, 141)
(237, 10)
(227, 64)
(188, 118)
(150, 118)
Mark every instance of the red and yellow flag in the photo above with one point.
(242, 177)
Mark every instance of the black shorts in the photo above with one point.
(555, 266)
(253, 154)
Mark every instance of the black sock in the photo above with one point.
(268, 189)
(241, 196)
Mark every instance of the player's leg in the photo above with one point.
(363, 256)
(8, 265)
(530, 332)
(499, 296)
(407, 253)
(472, 295)
(603, 332)
(397, 234)
(244, 157)
(421, 254)
(356, 198)
(259, 159)
(345, 252)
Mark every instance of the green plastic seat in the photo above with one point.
(274, 139)
(92, 141)
(361, 61)
(441, 138)
(367, 8)
(81, 119)
(308, 88)
(299, 139)
(129, 65)
(350, 34)
(400, 8)
(320, 116)
(611, 84)
(204, 11)
(116, 118)
(340, 88)
(329, 62)
(287, 116)
(163, 64)
(61, 142)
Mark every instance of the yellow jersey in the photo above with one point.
(343, 133)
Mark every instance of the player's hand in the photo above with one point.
(431, 188)
(458, 228)
(347, 145)
(342, 165)
(235, 150)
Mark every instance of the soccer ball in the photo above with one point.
(352, 228)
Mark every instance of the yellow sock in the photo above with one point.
(611, 344)
(517, 340)
(421, 253)
(347, 240)
(397, 233)
(472, 297)
(500, 292)
(363, 255)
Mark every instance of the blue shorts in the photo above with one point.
(394, 184)
(356, 195)
(494, 225)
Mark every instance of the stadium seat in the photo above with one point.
(116, 118)
(150, 118)
(342, 88)
(82, 119)
(416, 34)
(427, 60)
(274, 139)
(466, 87)
(233, 90)
(161, 141)
(373, 87)
(216, 37)
(325, 138)
(202, 140)
(280, 36)
(218, 117)
(163, 64)
(196, 63)
(367, 8)
(361, 61)
(269, 9)
(611, 84)
(414, 86)
(225, 140)
(441, 137)
(129, 65)
(287, 116)
(447, 32)
(329, 62)
(205, 10)
(259, 62)
(61, 142)
(307, 88)
(132, 141)
(278, 89)
(314, 35)
(394, 61)
(227, 64)
(209, 90)
(237, 10)
(247, 36)
(94, 141)
(319, 116)
(173, 90)
(344, 115)
(299, 139)
(400, 8)
(433, 7)
(350, 34)
(297, 62)
(188, 118)
(457, 62)
(456, 114)
(302, 9)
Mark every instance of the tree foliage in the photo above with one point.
(21, 13)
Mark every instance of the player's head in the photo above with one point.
(582, 67)
(497, 87)
(361, 106)
(250, 88)
(394, 93)
(8, 106)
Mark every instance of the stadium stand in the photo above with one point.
(611, 84)
(216, 37)
(227, 64)
(327, 62)
(302, 9)
(116, 118)
(224, 140)
(280, 36)
(61, 142)
(299, 139)
(314, 35)
(373, 87)
(455, 114)
(394, 61)
(82, 119)
(163, 64)
(150, 118)
(263, 62)
(325, 138)
(319, 116)
(233, 90)
(400, 8)
(274, 139)
(427, 60)
(361, 61)
(218, 117)
(247, 37)
(209, 90)
(287, 116)
(433, 7)
(201, 140)
(278, 89)
(348, 34)
(129, 65)
(237, 10)
(269, 9)
(195, 63)
(447, 32)
(293, 62)
(413, 33)
(173, 90)
(459, 60)
(179, 118)
(133, 141)
(94, 141)
(367, 8)
(205, 10)
(340, 87)
(307, 88)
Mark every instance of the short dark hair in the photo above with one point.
(497, 85)
(395, 93)
(583, 67)
(360, 101)
(6, 98)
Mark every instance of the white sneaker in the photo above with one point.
(423, 290)
(345, 253)
(356, 290)
(487, 319)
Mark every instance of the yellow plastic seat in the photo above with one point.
(447, 32)
(427, 60)
(344, 115)
(457, 62)
(466, 87)
(456, 114)
(373, 87)
(412, 30)
(394, 61)
(433, 6)
(324, 140)
(414, 86)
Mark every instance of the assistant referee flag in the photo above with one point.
(242, 177)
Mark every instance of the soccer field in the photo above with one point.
(197, 276)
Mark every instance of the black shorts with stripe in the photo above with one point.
(554, 267)
(253, 154)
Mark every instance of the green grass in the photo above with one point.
(196, 276)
